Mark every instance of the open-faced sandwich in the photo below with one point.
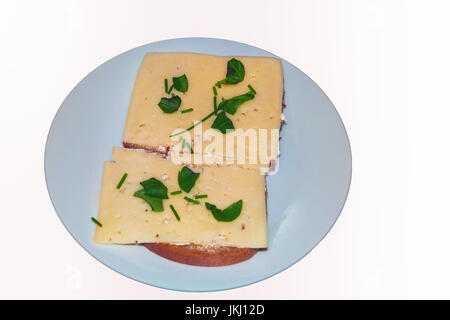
(202, 132)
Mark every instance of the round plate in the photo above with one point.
(305, 196)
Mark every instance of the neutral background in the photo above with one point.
(384, 64)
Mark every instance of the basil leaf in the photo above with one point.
(229, 214)
(155, 188)
(155, 203)
(187, 178)
(180, 83)
(231, 105)
(222, 123)
(235, 72)
(170, 105)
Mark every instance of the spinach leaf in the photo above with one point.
(222, 123)
(155, 188)
(155, 203)
(170, 105)
(181, 83)
(235, 73)
(231, 105)
(187, 178)
(229, 214)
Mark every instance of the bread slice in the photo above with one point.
(148, 128)
(129, 220)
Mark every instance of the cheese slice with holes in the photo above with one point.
(149, 127)
(127, 219)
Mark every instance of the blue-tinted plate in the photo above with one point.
(305, 198)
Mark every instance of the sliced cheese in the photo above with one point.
(148, 126)
(127, 219)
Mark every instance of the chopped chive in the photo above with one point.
(96, 222)
(215, 105)
(215, 91)
(183, 144)
(201, 196)
(193, 126)
(170, 90)
(187, 110)
(191, 200)
(251, 89)
(166, 85)
(175, 192)
(175, 212)
(125, 175)
(189, 147)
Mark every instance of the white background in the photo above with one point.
(384, 64)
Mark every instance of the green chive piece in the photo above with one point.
(251, 89)
(193, 126)
(96, 222)
(187, 110)
(183, 144)
(175, 212)
(170, 90)
(189, 147)
(125, 175)
(191, 200)
(166, 85)
(215, 91)
(175, 192)
(201, 196)
(215, 105)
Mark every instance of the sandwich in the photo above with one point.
(201, 133)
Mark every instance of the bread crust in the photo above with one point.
(160, 150)
(198, 255)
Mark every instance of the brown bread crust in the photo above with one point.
(162, 150)
(204, 256)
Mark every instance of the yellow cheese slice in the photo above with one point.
(127, 219)
(148, 126)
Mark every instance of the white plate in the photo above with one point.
(305, 198)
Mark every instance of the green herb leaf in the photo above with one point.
(191, 200)
(96, 222)
(181, 83)
(222, 123)
(155, 203)
(235, 73)
(170, 105)
(231, 105)
(125, 175)
(226, 215)
(155, 188)
(175, 212)
(187, 178)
